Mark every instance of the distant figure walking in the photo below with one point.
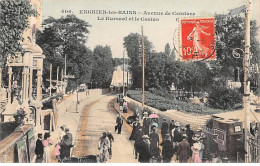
(39, 149)
(119, 122)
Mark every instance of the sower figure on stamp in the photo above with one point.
(195, 35)
(39, 149)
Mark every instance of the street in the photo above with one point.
(96, 119)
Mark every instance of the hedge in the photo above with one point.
(163, 103)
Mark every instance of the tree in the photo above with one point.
(13, 21)
(167, 49)
(103, 66)
(62, 37)
(133, 45)
(155, 70)
(230, 32)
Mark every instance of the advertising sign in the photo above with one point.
(22, 151)
(31, 142)
(221, 139)
(198, 39)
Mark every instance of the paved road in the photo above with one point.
(96, 119)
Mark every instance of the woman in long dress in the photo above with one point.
(136, 126)
(197, 150)
(47, 142)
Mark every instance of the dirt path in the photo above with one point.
(96, 119)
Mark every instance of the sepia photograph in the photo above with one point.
(133, 81)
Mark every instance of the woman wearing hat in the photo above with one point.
(154, 138)
(197, 149)
(47, 142)
(136, 126)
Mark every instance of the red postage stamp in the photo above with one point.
(198, 39)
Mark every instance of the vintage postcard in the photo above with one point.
(133, 81)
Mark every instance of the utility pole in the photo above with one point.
(127, 74)
(65, 69)
(50, 77)
(246, 98)
(57, 75)
(143, 67)
(123, 73)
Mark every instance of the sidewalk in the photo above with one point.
(67, 115)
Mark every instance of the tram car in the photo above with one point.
(230, 138)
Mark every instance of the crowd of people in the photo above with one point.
(62, 150)
(178, 144)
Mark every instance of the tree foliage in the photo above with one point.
(103, 66)
(62, 37)
(13, 21)
(230, 34)
(133, 45)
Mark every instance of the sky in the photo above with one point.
(159, 32)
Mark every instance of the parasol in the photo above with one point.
(153, 116)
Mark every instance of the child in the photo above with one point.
(57, 151)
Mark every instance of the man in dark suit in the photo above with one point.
(167, 150)
(144, 150)
(164, 128)
(183, 151)
(119, 122)
(39, 149)
(66, 144)
(138, 140)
